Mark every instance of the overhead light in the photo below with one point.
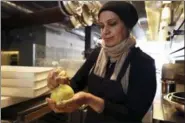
(166, 14)
(166, 2)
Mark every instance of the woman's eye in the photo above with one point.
(112, 23)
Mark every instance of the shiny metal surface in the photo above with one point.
(163, 111)
(76, 7)
(75, 21)
(168, 87)
(178, 104)
(67, 8)
(87, 16)
(179, 97)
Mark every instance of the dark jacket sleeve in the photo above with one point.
(79, 80)
(140, 95)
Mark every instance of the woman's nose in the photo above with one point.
(105, 31)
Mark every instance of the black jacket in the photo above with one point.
(141, 89)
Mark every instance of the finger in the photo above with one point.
(71, 108)
(55, 74)
(51, 73)
(52, 84)
(60, 104)
(62, 80)
(67, 106)
(59, 80)
(67, 80)
(52, 105)
(49, 77)
(50, 81)
(58, 110)
(69, 103)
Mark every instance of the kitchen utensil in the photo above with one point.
(76, 7)
(67, 8)
(178, 97)
(86, 15)
(75, 22)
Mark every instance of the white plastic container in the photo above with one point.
(24, 81)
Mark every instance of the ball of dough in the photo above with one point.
(61, 93)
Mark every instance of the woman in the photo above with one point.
(120, 78)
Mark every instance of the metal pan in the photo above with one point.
(90, 6)
(67, 8)
(75, 22)
(179, 107)
(178, 97)
(87, 16)
(76, 7)
(97, 6)
(63, 9)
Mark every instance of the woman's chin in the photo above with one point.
(109, 44)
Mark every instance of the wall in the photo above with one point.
(22, 40)
(69, 45)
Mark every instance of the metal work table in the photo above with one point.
(164, 112)
(26, 111)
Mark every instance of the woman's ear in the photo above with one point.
(128, 32)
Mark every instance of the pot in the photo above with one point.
(95, 17)
(75, 22)
(63, 9)
(97, 6)
(76, 7)
(178, 97)
(86, 15)
(90, 6)
(179, 106)
(67, 8)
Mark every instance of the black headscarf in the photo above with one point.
(126, 12)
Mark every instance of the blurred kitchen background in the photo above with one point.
(63, 33)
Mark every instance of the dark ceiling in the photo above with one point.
(9, 10)
(40, 5)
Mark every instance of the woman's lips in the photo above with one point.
(108, 38)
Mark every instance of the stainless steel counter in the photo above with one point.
(163, 111)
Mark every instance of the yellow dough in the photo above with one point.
(63, 73)
(61, 93)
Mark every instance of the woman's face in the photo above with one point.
(112, 27)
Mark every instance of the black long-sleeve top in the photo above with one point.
(141, 89)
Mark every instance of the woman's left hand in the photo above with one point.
(70, 105)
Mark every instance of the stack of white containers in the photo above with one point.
(24, 81)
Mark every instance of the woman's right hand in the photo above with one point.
(56, 77)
